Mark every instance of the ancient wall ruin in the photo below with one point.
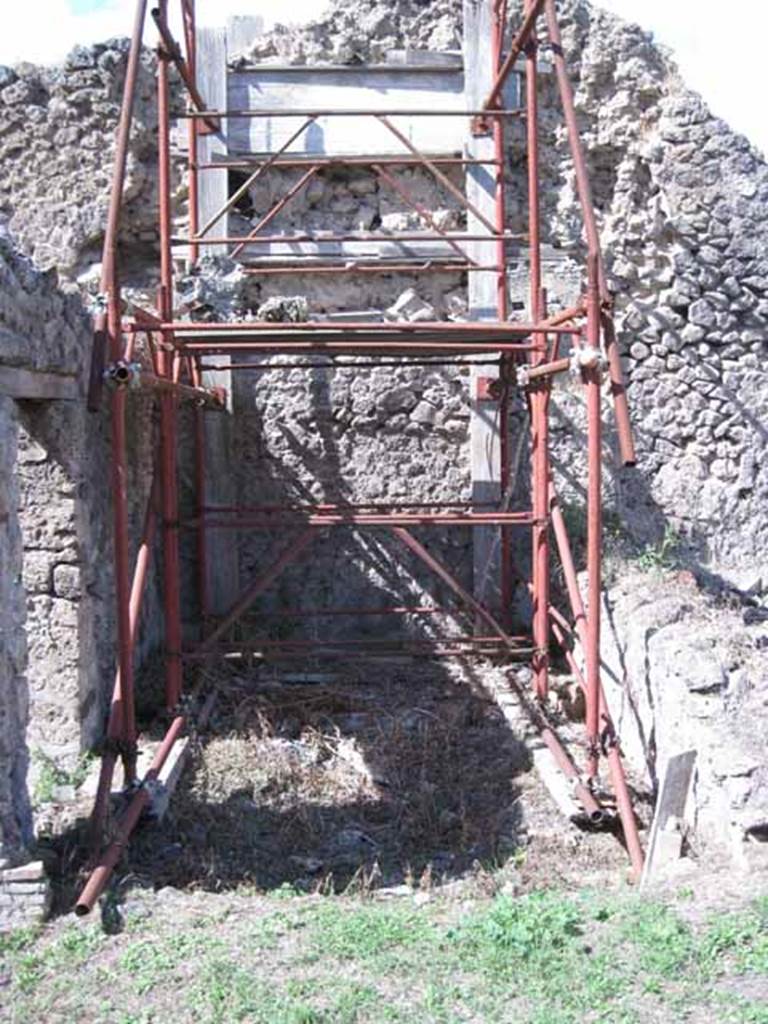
(57, 609)
(681, 203)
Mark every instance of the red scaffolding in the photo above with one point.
(529, 354)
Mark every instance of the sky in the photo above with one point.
(732, 78)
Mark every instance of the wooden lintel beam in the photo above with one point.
(36, 385)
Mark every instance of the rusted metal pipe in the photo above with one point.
(201, 497)
(615, 764)
(539, 393)
(115, 722)
(566, 560)
(618, 392)
(349, 112)
(210, 398)
(330, 519)
(119, 480)
(446, 266)
(581, 791)
(592, 378)
(584, 191)
(190, 35)
(502, 312)
(445, 181)
(342, 161)
(349, 236)
(179, 327)
(241, 191)
(522, 37)
(169, 369)
(450, 580)
(110, 858)
(419, 208)
(258, 586)
(172, 50)
(109, 283)
(543, 371)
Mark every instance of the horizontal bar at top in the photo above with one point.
(220, 345)
(500, 328)
(367, 365)
(361, 519)
(256, 160)
(351, 506)
(310, 70)
(351, 236)
(347, 112)
(381, 267)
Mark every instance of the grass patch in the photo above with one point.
(543, 958)
(370, 931)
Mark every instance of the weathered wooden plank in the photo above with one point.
(213, 185)
(21, 383)
(370, 88)
(666, 836)
(220, 491)
(384, 249)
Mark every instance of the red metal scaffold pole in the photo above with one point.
(178, 347)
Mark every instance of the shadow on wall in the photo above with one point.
(332, 435)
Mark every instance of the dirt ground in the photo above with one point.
(363, 777)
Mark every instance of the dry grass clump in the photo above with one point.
(351, 779)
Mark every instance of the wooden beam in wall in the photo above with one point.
(34, 385)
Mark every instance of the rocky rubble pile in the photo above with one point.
(363, 31)
(57, 134)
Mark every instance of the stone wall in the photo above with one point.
(680, 201)
(686, 671)
(57, 134)
(57, 607)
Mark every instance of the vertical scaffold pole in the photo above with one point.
(190, 37)
(190, 32)
(539, 394)
(584, 192)
(592, 380)
(170, 504)
(502, 310)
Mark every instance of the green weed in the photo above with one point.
(663, 555)
(664, 943)
(367, 932)
(50, 775)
